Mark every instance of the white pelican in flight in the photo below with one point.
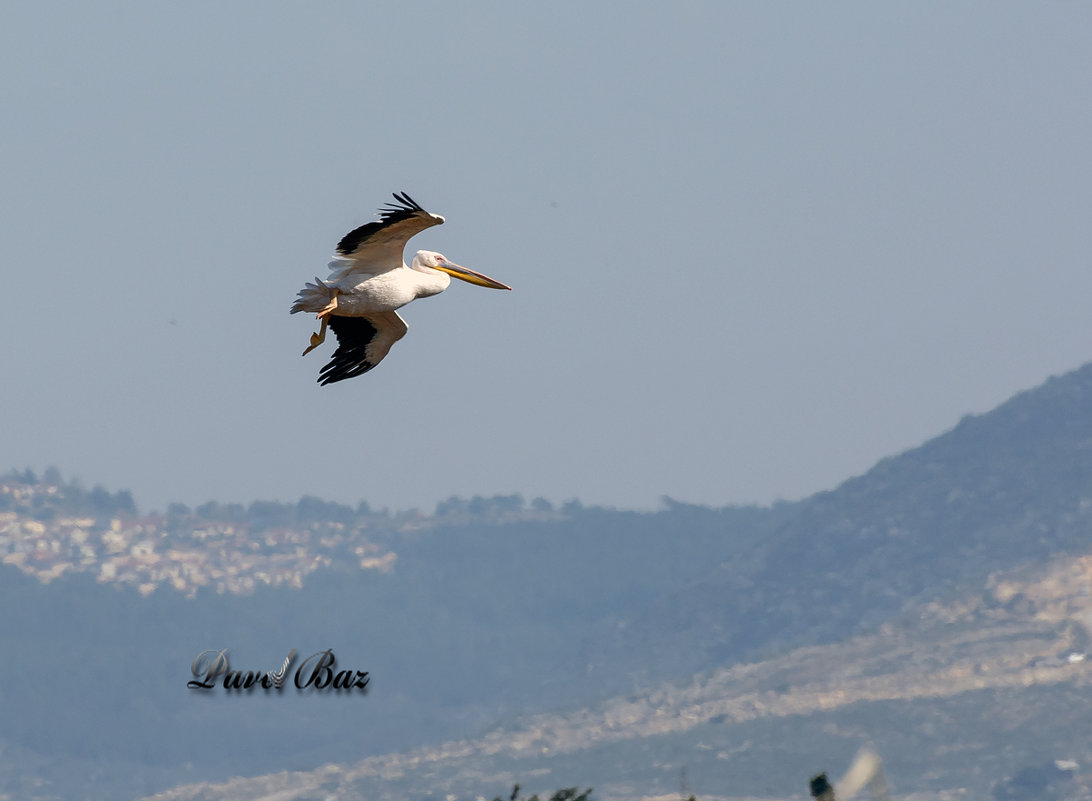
(369, 280)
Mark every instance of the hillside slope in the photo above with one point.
(961, 700)
(492, 610)
(1009, 487)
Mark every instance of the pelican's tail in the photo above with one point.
(313, 297)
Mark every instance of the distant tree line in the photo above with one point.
(67, 498)
(52, 495)
(261, 515)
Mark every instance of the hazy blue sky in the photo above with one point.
(755, 246)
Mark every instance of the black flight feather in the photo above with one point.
(390, 213)
(350, 359)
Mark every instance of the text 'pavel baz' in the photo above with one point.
(317, 672)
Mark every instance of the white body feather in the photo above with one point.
(368, 293)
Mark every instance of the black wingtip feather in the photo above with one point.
(388, 213)
(405, 207)
(405, 198)
(350, 359)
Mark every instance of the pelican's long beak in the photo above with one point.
(463, 274)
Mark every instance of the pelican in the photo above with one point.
(369, 280)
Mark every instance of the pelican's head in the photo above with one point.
(437, 261)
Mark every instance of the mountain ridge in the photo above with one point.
(524, 610)
(1008, 486)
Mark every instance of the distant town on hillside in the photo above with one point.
(50, 526)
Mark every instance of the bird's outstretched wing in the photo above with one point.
(376, 247)
(362, 342)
